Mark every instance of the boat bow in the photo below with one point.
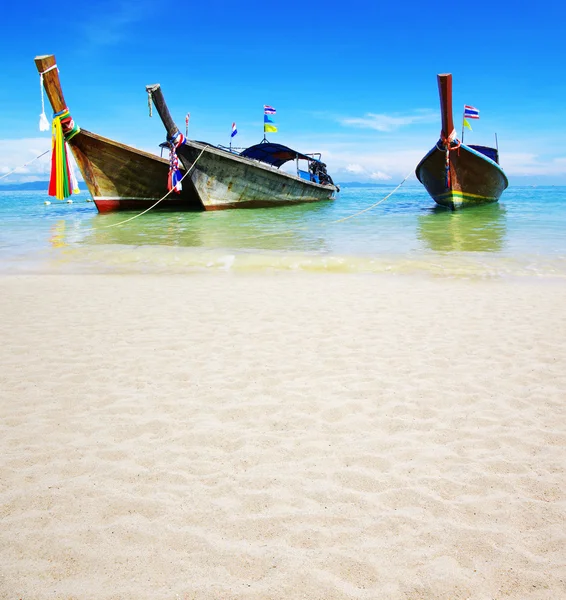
(454, 174)
(118, 176)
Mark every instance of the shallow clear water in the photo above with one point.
(523, 234)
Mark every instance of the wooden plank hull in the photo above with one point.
(225, 180)
(120, 177)
(474, 178)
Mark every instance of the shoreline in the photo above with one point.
(120, 259)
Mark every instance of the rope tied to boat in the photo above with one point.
(449, 144)
(43, 122)
(68, 125)
(153, 205)
(175, 178)
(356, 214)
(24, 165)
(343, 219)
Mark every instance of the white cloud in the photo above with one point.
(381, 122)
(363, 164)
(380, 176)
(19, 160)
(20, 156)
(525, 163)
(357, 169)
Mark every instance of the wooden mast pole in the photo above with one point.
(54, 91)
(445, 92)
(161, 106)
(51, 81)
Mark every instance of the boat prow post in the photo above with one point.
(47, 67)
(156, 95)
(448, 133)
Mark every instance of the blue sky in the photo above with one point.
(354, 80)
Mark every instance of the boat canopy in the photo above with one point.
(274, 154)
(492, 153)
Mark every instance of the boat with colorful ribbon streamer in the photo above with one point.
(455, 174)
(118, 177)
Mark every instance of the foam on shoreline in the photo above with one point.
(128, 259)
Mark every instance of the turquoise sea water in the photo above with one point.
(522, 235)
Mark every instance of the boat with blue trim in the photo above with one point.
(455, 174)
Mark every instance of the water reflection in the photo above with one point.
(481, 229)
(58, 234)
(285, 228)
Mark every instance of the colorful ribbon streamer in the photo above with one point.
(62, 183)
(175, 176)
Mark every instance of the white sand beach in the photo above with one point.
(282, 436)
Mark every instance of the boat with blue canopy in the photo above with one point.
(223, 178)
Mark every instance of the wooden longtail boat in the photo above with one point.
(118, 177)
(457, 175)
(225, 179)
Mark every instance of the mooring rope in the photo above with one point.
(341, 220)
(356, 214)
(376, 203)
(24, 165)
(153, 205)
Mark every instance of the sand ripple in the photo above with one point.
(276, 437)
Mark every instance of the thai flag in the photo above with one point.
(471, 113)
(268, 110)
(234, 130)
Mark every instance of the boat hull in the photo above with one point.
(474, 178)
(120, 177)
(224, 180)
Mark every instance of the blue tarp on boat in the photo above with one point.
(274, 154)
(486, 151)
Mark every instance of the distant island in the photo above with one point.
(43, 185)
(360, 184)
(28, 185)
